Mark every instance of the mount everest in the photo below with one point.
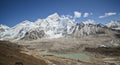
(54, 26)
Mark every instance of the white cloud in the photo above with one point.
(77, 14)
(108, 14)
(86, 15)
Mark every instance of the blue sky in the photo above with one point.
(13, 12)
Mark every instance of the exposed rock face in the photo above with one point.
(33, 34)
(82, 29)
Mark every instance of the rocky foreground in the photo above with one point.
(10, 54)
(102, 50)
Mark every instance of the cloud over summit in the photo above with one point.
(108, 14)
(77, 14)
(86, 15)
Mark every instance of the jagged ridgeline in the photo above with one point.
(55, 26)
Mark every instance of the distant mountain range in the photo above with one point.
(54, 26)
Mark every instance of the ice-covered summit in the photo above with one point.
(3, 27)
(54, 26)
(113, 24)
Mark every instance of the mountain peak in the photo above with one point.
(3, 26)
(113, 23)
(25, 22)
(55, 15)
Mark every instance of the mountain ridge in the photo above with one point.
(54, 26)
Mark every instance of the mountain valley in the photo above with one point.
(60, 40)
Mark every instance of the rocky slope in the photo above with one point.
(10, 54)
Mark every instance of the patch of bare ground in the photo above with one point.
(10, 55)
(107, 51)
(108, 55)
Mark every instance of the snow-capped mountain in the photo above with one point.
(3, 28)
(54, 26)
(19, 31)
(114, 25)
(86, 29)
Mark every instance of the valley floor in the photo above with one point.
(101, 50)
